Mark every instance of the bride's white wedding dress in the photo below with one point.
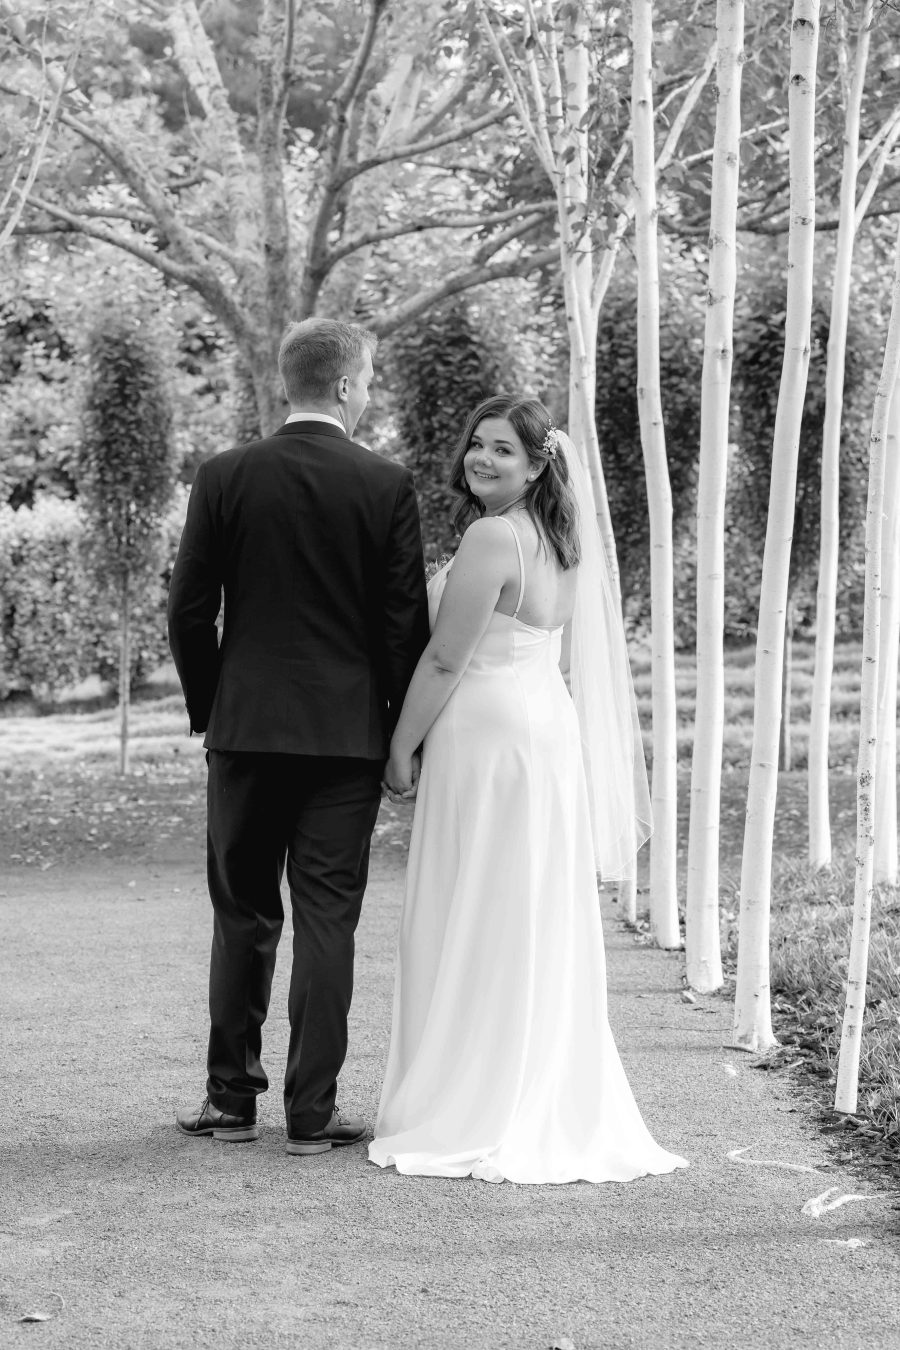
(502, 1064)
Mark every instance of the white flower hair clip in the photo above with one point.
(551, 442)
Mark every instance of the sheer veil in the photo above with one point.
(603, 694)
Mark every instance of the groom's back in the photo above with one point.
(305, 530)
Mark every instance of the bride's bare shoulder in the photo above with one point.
(485, 534)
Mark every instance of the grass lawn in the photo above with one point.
(63, 803)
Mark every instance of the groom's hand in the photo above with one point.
(416, 772)
(401, 778)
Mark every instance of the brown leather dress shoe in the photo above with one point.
(210, 1120)
(340, 1130)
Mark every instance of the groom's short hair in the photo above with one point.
(317, 352)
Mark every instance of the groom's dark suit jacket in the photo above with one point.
(315, 542)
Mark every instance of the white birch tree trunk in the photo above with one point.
(826, 591)
(124, 674)
(663, 845)
(702, 940)
(885, 862)
(866, 764)
(752, 1012)
(786, 756)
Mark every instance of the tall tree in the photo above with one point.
(127, 471)
(867, 757)
(820, 710)
(702, 942)
(239, 200)
(664, 843)
(752, 1015)
(885, 862)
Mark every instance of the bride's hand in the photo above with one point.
(401, 776)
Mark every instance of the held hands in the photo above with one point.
(401, 777)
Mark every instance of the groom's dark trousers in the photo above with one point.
(315, 544)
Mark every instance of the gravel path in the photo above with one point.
(126, 1234)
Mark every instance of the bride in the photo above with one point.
(501, 1063)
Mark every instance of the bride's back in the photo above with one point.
(549, 591)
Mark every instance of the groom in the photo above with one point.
(315, 543)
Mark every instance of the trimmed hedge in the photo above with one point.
(55, 630)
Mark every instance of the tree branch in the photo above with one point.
(201, 279)
(521, 227)
(411, 150)
(407, 310)
(287, 62)
(664, 159)
(543, 150)
(349, 86)
(137, 178)
(316, 252)
(441, 109)
(890, 137)
(41, 136)
(703, 155)
(422, 223)
(70, 223)
(143, 220)
(670, 145)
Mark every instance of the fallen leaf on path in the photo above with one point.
(35, 1316)
(832, 1199)
(735, 1156)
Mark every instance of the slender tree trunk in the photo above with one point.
(626, 896)
(787, 754)
(885, 863)
(663, 846)
(752, 1014)
(702, 941)
(124, 673)
(267, 387)
(867, 759)
(275, 241)
(820, 710)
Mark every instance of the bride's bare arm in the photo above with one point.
(485, 562)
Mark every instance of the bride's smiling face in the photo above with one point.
(496, 464)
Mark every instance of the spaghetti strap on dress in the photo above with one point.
(515, 535)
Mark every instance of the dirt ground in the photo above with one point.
(122, 1233)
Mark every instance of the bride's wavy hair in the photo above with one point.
(549, 499)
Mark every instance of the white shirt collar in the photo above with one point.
(314, 417)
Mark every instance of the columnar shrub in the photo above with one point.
(441, 369)
(127, 468)
(55, 629)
